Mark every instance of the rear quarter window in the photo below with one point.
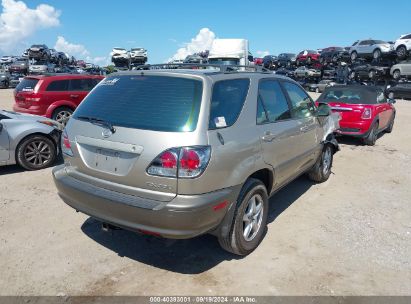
(227, 101)
(27, 85)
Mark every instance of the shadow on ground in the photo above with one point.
(190, 256)
(12, 169)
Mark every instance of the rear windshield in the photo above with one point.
(27, 85)
(157, 103)
(352, 96)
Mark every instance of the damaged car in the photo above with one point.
(28, 140)
(39, 52)
(366, 111)
(222, 144)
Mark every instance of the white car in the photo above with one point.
(402, 46)
(119, 54)
(7, 59)
(138, 55)
(303, 71)
(41, 67)
(369, 48)
(401, 69)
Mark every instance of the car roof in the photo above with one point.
(200, 72)
(358, 87)
(63, 76)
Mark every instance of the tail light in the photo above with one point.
(366, 114)
(65, 144)
(183, 162)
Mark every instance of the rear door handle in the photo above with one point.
(74, 96)
(268, 137)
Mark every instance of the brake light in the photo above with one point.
(182, 162)
(366, 114)
(65, 145)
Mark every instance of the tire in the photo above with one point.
(371, 138)
(354, 56)
(376, 54)
(62, 115)
(396, 74)
(372, 74)
(391, 125)
(238, 241)
(401, 52)
(322, 168)
(36, 152)
(6, 85)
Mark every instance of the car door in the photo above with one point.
(4, 143)
(57, 90)
(384, 110)
(308, 130)
(79, 88)
(277, 130)
(362, 47)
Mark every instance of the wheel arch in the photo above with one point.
(59, 104)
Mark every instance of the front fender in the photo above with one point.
(57, 104)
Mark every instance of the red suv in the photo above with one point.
(54, 97)
(307, 56)
(365, 110)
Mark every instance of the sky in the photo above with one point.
(89, 29)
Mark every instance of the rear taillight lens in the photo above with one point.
(184, 162)
(366, 114)
(65, 144)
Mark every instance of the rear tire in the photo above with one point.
(401, 52)
(322, 168)
(371, 138)
(36, 152)
(391, 125)
(62, 115)
(396, 74)
(354, 56)
(376, 54)
(249, 223)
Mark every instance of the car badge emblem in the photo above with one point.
(107, 133)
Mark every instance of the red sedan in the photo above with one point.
(365, 110)
(307, 56)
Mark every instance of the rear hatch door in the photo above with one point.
(149, 114)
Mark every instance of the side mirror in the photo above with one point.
(323, 110)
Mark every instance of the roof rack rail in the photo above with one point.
(222, 67)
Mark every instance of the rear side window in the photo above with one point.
(227, 101)
(272, 105)
(302, 105)
(350, 96)
(58, 85)
(157, 103)
(85, 84)
(27, 85)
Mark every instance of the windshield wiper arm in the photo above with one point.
(98, 121)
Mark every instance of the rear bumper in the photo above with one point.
(35, 110)
(357, 129)
(185, 216)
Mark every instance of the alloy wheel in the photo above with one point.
(63, 117)
(37, 153)
(327, 158)
(253, 217)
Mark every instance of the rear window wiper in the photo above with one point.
(98, 121)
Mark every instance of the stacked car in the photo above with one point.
(126, 59)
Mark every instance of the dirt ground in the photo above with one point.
(348, 236)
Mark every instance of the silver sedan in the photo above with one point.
(28, 140)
